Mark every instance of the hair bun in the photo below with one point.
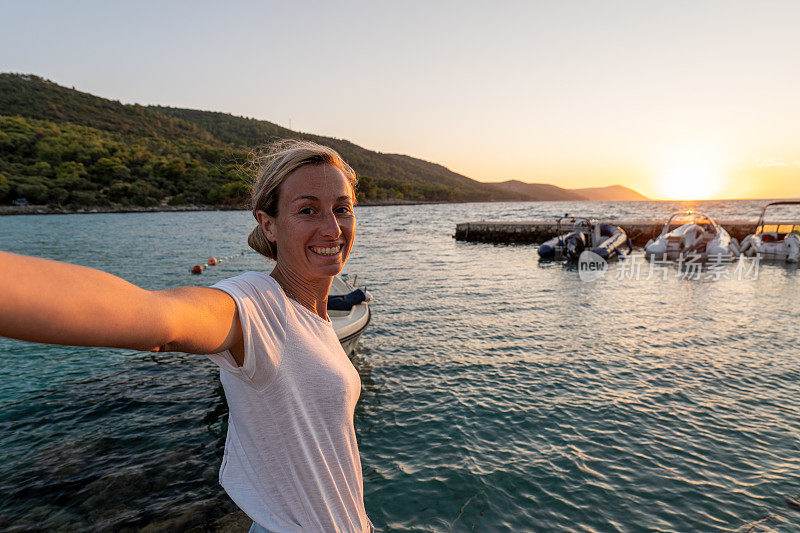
(258, 241)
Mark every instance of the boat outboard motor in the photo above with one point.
(574, 244)
(345, 302)
(558, 247)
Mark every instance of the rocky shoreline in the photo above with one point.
(235, 522)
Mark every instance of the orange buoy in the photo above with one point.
(212, 261)
(197, 269)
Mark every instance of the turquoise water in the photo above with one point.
(499, 394)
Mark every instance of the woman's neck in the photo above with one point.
(311, 294)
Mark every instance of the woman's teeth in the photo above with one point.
(326, 251)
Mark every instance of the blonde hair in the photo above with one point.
(273, 165)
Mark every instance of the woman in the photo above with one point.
(291, 458)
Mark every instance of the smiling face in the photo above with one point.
(315, 224)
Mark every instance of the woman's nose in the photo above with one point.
(331, 227)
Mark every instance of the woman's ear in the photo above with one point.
(267, 224)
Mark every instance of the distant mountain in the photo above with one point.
(540, 191)
(65, 147)
(546, 192)
(612, 193)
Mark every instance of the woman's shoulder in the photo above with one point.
(252, 284)
(250, 277)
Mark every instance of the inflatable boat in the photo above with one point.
(606, 240)
(690, 234)
(774, 241)
(348, 309)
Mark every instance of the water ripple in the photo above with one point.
(498, 394)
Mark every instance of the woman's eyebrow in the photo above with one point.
(306, 197)
(315, 199)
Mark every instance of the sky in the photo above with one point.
(675, 99)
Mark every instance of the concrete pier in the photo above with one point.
(538, 231)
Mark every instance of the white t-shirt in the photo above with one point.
(291, 457)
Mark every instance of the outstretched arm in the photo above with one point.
(59, 303)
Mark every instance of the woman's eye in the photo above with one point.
(307, 211)
(344, 209)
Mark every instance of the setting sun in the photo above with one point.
(689, 183)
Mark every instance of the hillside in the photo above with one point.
(612, 193)
(33, 97)
(65, 147)
(414, 178)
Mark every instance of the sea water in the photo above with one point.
(499, 393)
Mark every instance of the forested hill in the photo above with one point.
(66, 147)
(33, 97)
(387, 175)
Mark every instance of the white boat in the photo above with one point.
(348, 309)
(776, 241)
(692, 234)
